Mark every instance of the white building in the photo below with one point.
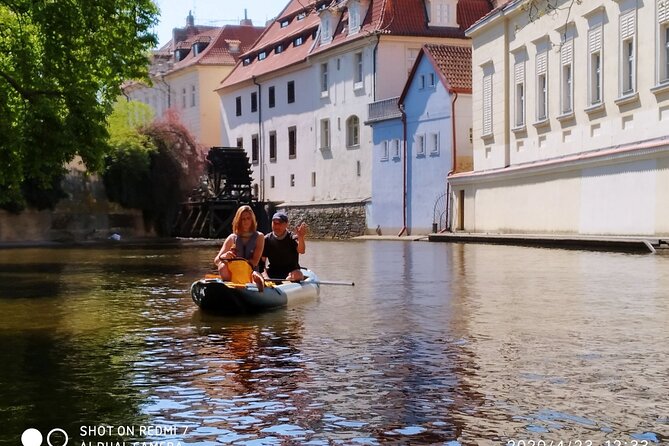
(298, 100)
(570, 121)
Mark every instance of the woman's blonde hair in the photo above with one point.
(237, 221)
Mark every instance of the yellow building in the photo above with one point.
(570, 120)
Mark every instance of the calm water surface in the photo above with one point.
(436, 344)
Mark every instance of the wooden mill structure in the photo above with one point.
(209, 211)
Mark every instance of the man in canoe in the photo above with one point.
(243, 247)
(283, 249)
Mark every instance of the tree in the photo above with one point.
(153, 165)
(62, 63)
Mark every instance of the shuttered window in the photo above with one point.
(595, 71)
(542, 85)
(567, 76)
(487, 104)
(663, 43)
(628, 52)
(519, 76)
(662, 11)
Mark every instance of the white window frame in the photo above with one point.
(519, 94)
(595, 68)
(420, 144)
(357, 70)
(353, 131)
(663, 42)
(353, 17)
(542, 86)
(385, 150)
(628, 53)
(325, 133)
(324, 79)
(486, 123)
(567, 77)
(434, 143)
(397, 152)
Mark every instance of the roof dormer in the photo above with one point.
(357, 9)
(442, 13)
(329, 19)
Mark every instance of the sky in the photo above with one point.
(213, 13)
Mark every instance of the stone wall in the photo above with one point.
(329, 221)
(84, 215)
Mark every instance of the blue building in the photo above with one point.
(419, 139)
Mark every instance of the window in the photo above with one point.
(278, 49)
(240, 143)
(246, 61)
(313, 179)
(291, 92)
(272, 98)
(487, 104)
(567, 81)
(353, 17)
(324, 78)
(284, 23)
(385, 150)
(420, 145)
(627, 62)
(357, 62)
(412, 55)
(325, 133)
(301, 15)
(262, 55)
(352, 131)
(663, 44)
(183, 97)
(442, 12)
(272, 146)
(192, 95)
(434, 143)
(238, 106)
(254, 148)
(421, 82)
(298, 41)
(326, 29)
(542, 86)
(254, 102)
(432, 81)
(292, 180)
(271, 182)
(396, 148)
(519, 78)
(292, 142)
(595, 65)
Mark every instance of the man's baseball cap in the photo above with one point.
(281, 216)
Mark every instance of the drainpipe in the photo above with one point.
(261, 149)
(449, 203)
(404, 172)
(375, 53)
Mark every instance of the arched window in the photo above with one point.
(352, 131)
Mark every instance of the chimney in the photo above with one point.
(246, 21)
(190, 20)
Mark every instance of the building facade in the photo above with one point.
(419, 138)
(298, 100)
(570, 121)
(187, 70)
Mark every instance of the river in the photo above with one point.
(436, 344)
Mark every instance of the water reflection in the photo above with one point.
(435, 344)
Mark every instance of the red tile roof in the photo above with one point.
(387, 17)
(219, 51)
(454, 64)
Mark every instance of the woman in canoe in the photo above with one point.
(245, 242)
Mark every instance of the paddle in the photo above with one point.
(317, 282)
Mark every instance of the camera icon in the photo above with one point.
(33, 437)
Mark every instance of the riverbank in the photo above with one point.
(573, 241)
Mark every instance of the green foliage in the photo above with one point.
(152, 167)
(127, 172)
(62, 63)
